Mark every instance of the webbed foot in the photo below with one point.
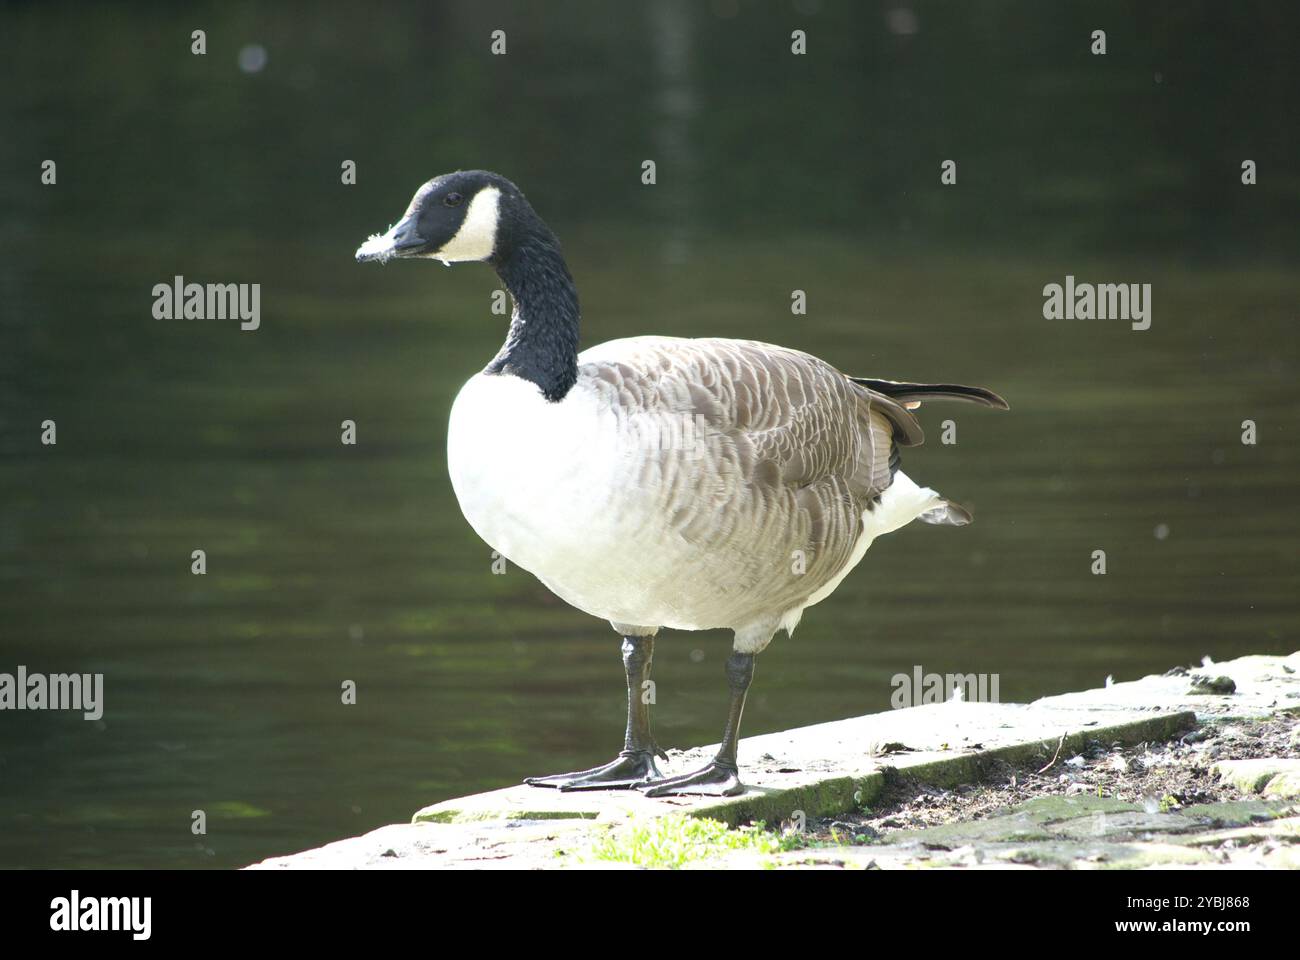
(718, 779)
(631, 768)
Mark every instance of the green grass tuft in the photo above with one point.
(672, 842)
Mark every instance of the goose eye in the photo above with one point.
(453, 199)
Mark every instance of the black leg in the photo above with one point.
(721, 777)
(636, 764)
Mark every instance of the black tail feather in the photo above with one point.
(907, 392)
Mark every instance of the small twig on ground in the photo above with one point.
(1060, 744)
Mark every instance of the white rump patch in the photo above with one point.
(901, 503)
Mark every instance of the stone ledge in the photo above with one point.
(829, 768)
(834, 768)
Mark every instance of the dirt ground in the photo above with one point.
(1160, 776)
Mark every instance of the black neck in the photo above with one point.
(542, 345)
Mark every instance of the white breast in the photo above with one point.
(561, 490)
(509, 453)
(543, 483)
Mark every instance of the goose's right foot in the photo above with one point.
(636, 764)
(629, 769)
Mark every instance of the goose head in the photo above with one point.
(458, 217)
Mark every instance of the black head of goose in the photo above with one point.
(660, 482)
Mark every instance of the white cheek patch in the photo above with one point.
(477, 236)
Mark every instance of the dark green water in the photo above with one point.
(329, 563)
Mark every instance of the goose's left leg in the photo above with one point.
(721, 777)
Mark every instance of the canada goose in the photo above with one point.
(657, 481)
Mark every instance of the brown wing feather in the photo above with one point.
(799, 451)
